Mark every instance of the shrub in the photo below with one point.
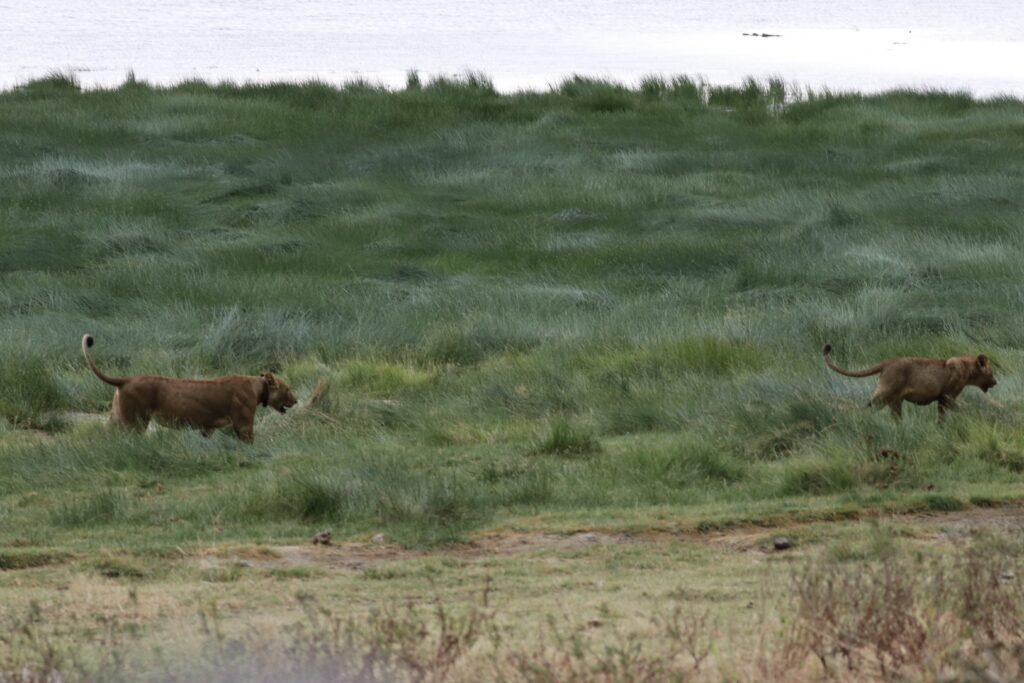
(900, 616)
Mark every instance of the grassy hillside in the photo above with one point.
(592, 307)
(509, 318)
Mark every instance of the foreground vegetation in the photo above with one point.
(592, 308)
(855, 602)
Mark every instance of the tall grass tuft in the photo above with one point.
(55, 82)
(421, 508)
(596, 95)
(98, 509)
(817, 477)
(30, 392)
(569, 440)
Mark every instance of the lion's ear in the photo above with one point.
(271, 380)
(982, 360)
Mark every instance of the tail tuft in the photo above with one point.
(87, 341)
(826, 349)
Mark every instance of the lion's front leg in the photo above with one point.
(244, 432)
(242, 418)
(946, 403)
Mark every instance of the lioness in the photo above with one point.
(922, 380)
(205, 405)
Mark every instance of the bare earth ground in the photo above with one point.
(939, 529)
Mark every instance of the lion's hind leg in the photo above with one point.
(896, 406)
(127, 415)
(892, 400)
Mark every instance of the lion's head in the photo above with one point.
(279, 394)
(983, 377)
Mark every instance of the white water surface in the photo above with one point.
(870, 45)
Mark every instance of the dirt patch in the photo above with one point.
(1002, 518)
(357, 554)
(956, 528)
(952, 528)
(345, 555)
(19, 559)
(77, 418)
(942, 527)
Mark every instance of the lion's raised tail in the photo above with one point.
(87, 341)
(873, 370)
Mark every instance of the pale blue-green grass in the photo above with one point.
(574, 302)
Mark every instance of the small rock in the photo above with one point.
(322, 538)
(587, 538)
(243, 564)
(378, 538)
(750, 605)
(782, 543)
(1007, 575)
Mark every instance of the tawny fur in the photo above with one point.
(205, 405)
(922, 380)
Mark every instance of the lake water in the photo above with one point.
(868, 45)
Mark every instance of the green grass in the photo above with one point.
(594, 305)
